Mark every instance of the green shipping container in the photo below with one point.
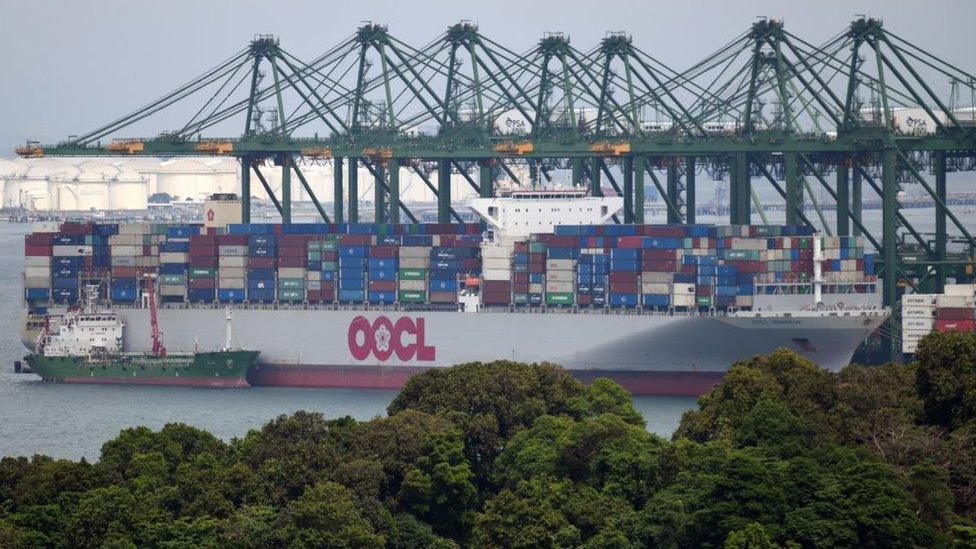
(536, 247)
(520, 299)
(172, 279)
(291, 283)
(330, 245)
(704, 301)
(202, 272)
(413, 274)
(412, 296)
(559, 299)
(314, 255)
(291, 295)
(329, 265)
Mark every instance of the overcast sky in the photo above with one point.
(71, 65)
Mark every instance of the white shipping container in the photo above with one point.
(125, 240)
(174, 257)
(147, 261)
(683, 300)
(37, 282)
(133, 228)
(496, 252)
(917, 323)
(535, 288)
(560, 265)
(232, 261)
(955, 301)
(496, 274)
(909, 347)
(231, 283)
(414, 252)
(748, 243)
(291, 272)
(918, 299)
(45, 227)
(170, 290)
(660, 278)
(655, 288)
(961, 289)
(496, 263)
(560, 276)
(743, 301)
(911, 310)
(680, 289)
(915, 335)
(71, 250)
(232, 250)
(414, 262)
(123, 261)
(559, 287)
(37, 261)
(413, 285)
(231, 272)
(125, 250)
(37, 272)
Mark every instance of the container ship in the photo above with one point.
(662, 309)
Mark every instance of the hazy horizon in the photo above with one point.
(73, 66)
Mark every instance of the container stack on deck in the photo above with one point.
(924, 313)
(619, 266)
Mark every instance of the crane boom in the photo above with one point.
(157, 341)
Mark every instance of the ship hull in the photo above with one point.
(227, 369)
(646, 353)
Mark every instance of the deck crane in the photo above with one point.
(158, 349)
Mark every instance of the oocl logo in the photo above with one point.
(384, 338)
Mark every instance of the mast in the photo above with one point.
(818, 257)
(157, 340)
(229, 333)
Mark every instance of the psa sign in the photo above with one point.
(384, 338)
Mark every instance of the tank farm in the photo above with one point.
(768, 109)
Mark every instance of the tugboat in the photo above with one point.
(86, 346)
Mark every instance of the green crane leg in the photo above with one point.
(245, 189)
(639, 170)
(690, 190)
(740, 192)
(672, 175)
(843, 201)
(889, 242)
(596, 188)
(286, 191)
(577, 166)
(337, 188)
(379, 196)
(940, 221)
(394, 191)
(856, 194)
(534, 173)
(353, 189)
(443, 190)
(486, 181)
(629, 190)
(794, 190)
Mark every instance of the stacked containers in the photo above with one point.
(292, 273)
(322, 263)
(261, 266)
(923, 313)
(382, 268)
(353, 253)
(202, 271)
(446, 266)
(520, 273)
(126, 249)
(232, 268)
(956, 310)
(38, 248)
(67, 261)
(624, 282)
(174, 262)
(560, 274)
(496, 279)
(917, 319)
(414, 261)
(592, 271)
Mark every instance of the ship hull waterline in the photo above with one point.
(220, 369)
(649, 354)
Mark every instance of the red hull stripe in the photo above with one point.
(382, 377)
(226, 382)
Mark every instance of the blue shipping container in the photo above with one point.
(351, 295)
(623, 300)
(231, 294)
(200, 294)
(381, 297)
(655, 300)
(123, 294)
(38, 293)
(352, 284)
(261, 294)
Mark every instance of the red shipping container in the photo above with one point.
(520, 277)
(125, 272)
(660, 266)
(537, 268)
(471, 263)
(74, 229)
(520, 287)
(954, 313)
(492, 286)
(623, 287)
(584, 299)
(443, 297)
(313, 295)
(328, 295)
(206, 262)
(233, 240)
(355, 240)
(961, 325)
(330, 256)
(382, 285)
(203, 249)
(521, 247)
(327, 285)
(291, 261)
(659, 255)
(384, 251)
(203, 240)
(623, 276)
(703, 290)
(496, 298)
(202, 283)
(630, 242)
(39, 239)
(292, 251)
(262, 262)
(43, 251)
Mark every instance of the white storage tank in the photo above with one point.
(185, 178)
(32, 189)
(128, 191)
